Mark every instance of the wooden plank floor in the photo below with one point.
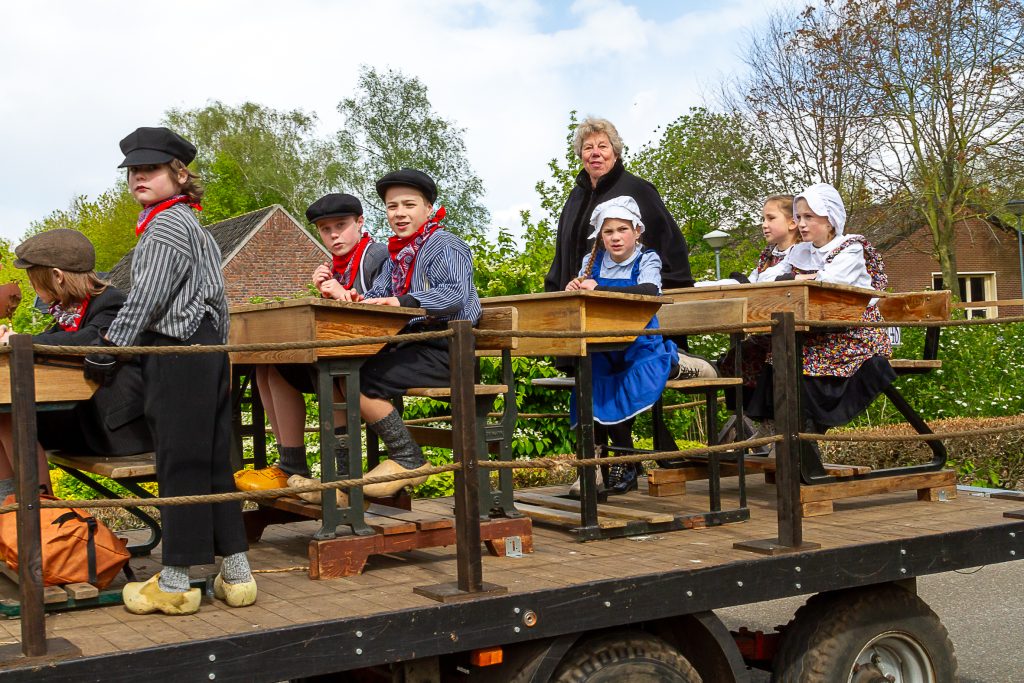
(288, 597)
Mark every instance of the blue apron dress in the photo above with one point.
(630, 381)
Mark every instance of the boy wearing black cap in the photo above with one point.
(177, 299)
(428, 268)
(356, 260)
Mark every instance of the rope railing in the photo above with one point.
(588, 334)
(910, 323)
(557, 464)
(936, 436)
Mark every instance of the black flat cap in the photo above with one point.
(145, 146)
(411, 178)
(334, 205)
(62, 248)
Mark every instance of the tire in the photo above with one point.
(834, 637)
(624, 657)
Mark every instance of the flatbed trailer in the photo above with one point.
(560, 598)
(639, 608)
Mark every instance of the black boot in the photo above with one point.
(623, 478)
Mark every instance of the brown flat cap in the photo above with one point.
(62, 248)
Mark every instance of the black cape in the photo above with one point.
(111, 422)
(661, 233)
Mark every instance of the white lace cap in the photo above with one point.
(624, 207)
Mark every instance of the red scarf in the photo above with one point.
(403, 252)
(346, 268)
(69, 319)
(150, 212)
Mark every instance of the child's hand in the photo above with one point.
(5, 335)
(589, 283)
(383, 301)
(332, 289)
(322, 274)
(574, 285)
(806, 276)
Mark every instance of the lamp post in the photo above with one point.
(1016, 207)
(716, 239)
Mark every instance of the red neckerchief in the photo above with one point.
(346, 268)
(69, 319)
(150, 212)
(403, 252)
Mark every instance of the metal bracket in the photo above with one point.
(513, 546)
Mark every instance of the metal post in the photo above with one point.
(469, 565)
(718, 265)
(787, 370)
(30, 553)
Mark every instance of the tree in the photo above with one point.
(108, 222)
(946, 78)
(713, 171)
(252, 156)
(390, 124)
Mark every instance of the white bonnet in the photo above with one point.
(824, 200)
(623, 207)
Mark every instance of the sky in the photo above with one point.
(76, 77)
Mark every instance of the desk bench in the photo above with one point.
(128, 471)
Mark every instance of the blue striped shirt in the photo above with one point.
(176, 281)
(442, 280)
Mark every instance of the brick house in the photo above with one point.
(987, 260)
(264, 253)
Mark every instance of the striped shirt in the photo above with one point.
(176, 281)
(442, 280)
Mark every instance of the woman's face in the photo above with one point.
(813, 228)
(597, 155)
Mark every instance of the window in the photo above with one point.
(973, 287)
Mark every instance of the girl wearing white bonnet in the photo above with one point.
(627, 382)
(843, 371)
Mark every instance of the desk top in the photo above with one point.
(807, 299)
(579, 311)
(313, 319)
(54, 383)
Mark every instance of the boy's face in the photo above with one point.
(154, 183)
(407, 209)
(340, 234)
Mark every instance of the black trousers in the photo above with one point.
(188, 407)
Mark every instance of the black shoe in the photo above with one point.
(623, 479)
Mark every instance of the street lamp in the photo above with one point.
(716, 239)
(1016, 207)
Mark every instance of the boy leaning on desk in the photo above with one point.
(429, 268)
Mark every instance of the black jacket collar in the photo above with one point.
(604, 182)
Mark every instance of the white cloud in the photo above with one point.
(76, 77)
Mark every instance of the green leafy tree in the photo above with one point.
(252, 156)
(713, 172)
(108, 221)
(390, 124)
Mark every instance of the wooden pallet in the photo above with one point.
(566, 511)
(672, 482)
(930, 486)
(395, 530)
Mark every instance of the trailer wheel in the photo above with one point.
(630, 657)
(879, 634)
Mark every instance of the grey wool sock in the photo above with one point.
(292, 460)
(399, 442)
(6, 488)
(341, 450)
(235, 568)
(174, 579)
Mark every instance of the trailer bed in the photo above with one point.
(301, 627)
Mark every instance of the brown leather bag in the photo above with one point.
(77, 547)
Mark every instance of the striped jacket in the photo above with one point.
(442, 280)
(176, 281)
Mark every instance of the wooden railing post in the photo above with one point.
(469, 581)
(30, 554)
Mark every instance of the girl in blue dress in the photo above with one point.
(630, 381)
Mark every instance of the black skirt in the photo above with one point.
(829, 401)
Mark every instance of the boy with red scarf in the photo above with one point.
(356, 260)
(177, 299)
(428, 268)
